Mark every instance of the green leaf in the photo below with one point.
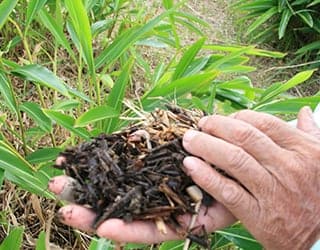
(96, 114)
(100, 244)
(117, 94)
(306, 17)
(168, 4)
(2, 174)
(290, 106)
(35, 112)
(241, 238)
(276, 90)
(43, 155)
(6, 92)
(41, 241)
(34, 6)
(56, 30)
(66, 105)
(309, 47)
(14, 240)
(315, 2)
(5, 9)
(42, 75)
(262, 19)
(20, 172)
(67, 122)
(251, 51)
(172, 245)
(285, 18)
(81, 25)
(187, 59)
(125, 40)
(177, 88)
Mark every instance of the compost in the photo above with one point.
(137, 173)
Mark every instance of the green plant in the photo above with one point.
(295, 23)
(70, 70)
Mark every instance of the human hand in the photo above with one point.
(277, 196)
(81, 217)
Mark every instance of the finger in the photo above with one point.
(212, 218)
(278, 130)
(63, 187)
(306, 122)
(228, 157)
(244, 135)
(134, 232)
(77, 216)
(237, 200)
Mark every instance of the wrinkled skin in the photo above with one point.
(276, 195)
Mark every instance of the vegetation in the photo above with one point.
(70, 70)
(293, 25)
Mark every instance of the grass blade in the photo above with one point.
(291, 106)
(96, 114)
(56, 30)
(5, 9)
(43, 155)
(125, 40)
(6, 93)
(34, 6)
(285, 18)
(277, 89)
(20, 172)
(41, 75)
(187, 59)
(81, 25)
(67, 122)
(35, 112)
(117, 94)
(177, 88)
(14, 240)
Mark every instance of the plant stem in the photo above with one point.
(40, 94)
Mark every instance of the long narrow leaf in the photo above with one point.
(6, 93)
(117, 94)
(67, 122)
(56, 30)
(34, 6)
(96, 114)
(290, 106)
(42, 75)
(35, 112)
(262, 19)
(20, 171)
(5, 9)
(285, 18)
(276, 90)
(187, 58)
(81, 24)
(14, 240)
(177, 88)
(125, 40)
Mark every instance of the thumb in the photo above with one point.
(306, 122)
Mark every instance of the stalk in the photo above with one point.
(29, 55)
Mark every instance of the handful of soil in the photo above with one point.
(137, 173)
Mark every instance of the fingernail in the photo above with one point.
(189, 135)
(202, 121)
(60, 160)
(189, 164)
(64, 213)
(54, 186)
